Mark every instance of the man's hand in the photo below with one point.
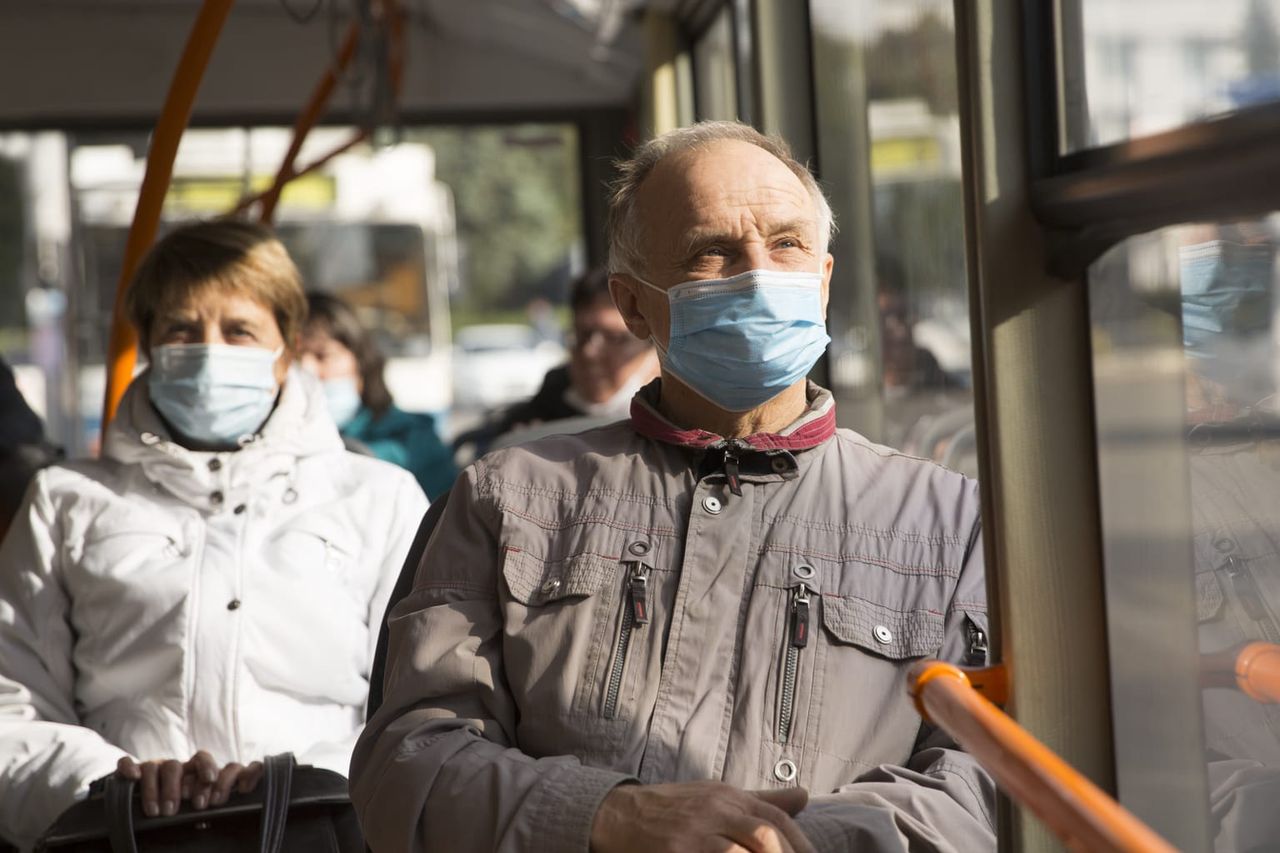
(702, 817)
(165, 783)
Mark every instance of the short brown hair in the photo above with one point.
(223, 254)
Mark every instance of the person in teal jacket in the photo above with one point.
(343, 355)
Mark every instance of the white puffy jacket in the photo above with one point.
(160, 601)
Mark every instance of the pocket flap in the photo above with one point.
(535, 581)
(881, 630)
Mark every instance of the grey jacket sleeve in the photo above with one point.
(941, 799)
(435, 768)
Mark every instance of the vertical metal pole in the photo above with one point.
(122, 353)
(1034, 404)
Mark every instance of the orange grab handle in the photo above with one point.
(1254, 668)
(1083, 816)
(307, 119)
(122, 353)
(356, 138)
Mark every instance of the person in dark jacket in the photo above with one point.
(606, 366)
(342, 354)
(23, 449)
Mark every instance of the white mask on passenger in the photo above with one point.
(216, 394)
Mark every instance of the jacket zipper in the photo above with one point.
(797, 639)
(635, 614)
(1246, 589)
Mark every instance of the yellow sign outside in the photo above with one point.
(215, 196)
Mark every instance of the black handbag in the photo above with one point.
(293, 810)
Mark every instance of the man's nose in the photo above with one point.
(755, 256)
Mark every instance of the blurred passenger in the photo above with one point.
(1227, 282)
(209, 592)
(607, 366)
(906, 365)
(343, 355)
(690, 630)
(23, 449)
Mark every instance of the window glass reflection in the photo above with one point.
(1154, 65)
(1193, 309)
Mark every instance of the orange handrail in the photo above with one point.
(307, 119)
(122, 353)
(1254, 668)
(1077, 811)
(356, 138)
(389, 12)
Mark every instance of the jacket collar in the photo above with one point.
(812, 428)
(299, 426)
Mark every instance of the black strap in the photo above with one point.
(277, 778)
(117, 800)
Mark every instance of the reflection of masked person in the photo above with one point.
(1226, 311)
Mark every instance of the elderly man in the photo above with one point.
(661, 634)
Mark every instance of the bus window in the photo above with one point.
(889, 156)
(1186, 372)
(1137, 68)
(420, 236)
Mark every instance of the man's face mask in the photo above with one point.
(215, 394)
(1226, 291)
(741, 341)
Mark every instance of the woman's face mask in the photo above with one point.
(214, 394)
(741, 341)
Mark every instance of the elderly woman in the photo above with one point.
(209, 592)
(344, 357)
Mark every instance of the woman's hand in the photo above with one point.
(165, 783)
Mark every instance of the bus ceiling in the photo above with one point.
(481, 58)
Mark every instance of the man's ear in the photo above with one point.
(626, 296)
(828, 264)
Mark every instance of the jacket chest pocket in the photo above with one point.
(840, 701)
(579, 630)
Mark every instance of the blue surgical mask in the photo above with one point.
(1226, 293)
(741, 341)
(215, 394)
(343, 398)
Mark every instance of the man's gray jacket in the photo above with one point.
(645, 603)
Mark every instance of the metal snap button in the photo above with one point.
(215, 498)
(779, 464)
(882, 634)
(785, 770)
(550, 586)
(804, 571)
(233, 604)
(215, 464)
(712, 505)
(239, 509)
(639, 548)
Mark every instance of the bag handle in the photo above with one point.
(277, 780)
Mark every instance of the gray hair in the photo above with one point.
(625, 253)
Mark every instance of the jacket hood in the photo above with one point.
(814, 426)
(299, 426)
